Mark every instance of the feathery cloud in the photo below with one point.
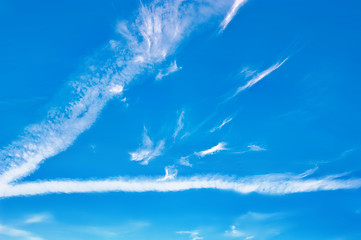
(156, 32)
(230, 15)
(259, 77)
(225, 121)
(170, 69)
(219, 147)
(180, 125)
(170, 173)
(147, 151)
(255, 148)
(185, 161)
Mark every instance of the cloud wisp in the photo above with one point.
(170, 173)
(259, 77)
(219, 147)
(180, 125)
(17, 233)
(170, 69)
(272, 184)
(225, 121)
(255, 148)
(147, 151)
(154, 35)
(230, 15)
(193, 235)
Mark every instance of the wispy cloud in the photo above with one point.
(259, 77)
(170, 173)
(185, 161)
(275, 184)
(38, 218)
(234, 232)
(170, 69)
(230, 15)
(147, 151)
(156, 32)
(17, 233)
(219, 147)
(193, 235)
(255, 148)
(180, 125)
(225, 121)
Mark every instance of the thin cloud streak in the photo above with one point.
(225, 121)
(180, 125)
(17, 233)
(219, 147)
(230, 15)
(272, 184)
(259, 77)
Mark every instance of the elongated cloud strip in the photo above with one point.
(147, 151)
(180, 125)
(165, 72)
(230, 15)
(259, 77)
(225, 121)
(275, 184)
(219, 147)
(17, 233)
(150, 39)
(255, 148)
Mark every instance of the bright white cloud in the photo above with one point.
(147, 151)
(259, 77)
(180, 125)
(225, 121)
(276, 184)
(230, 15)
(219, 147)
(170, 69)
(17, 233)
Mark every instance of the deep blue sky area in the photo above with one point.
(272, 100)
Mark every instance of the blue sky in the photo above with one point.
(180, 120)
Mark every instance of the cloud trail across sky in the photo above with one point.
(272, 184)
(154, 35)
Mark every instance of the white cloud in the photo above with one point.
(180, 125)
(38, 218)
(259, 77)
(193, 235)
(219, 147)
(230, 15)
(255, 148)
(170, 173)
(147, 151)
(154, 35)
(233, 232)
(17, 233)
(274, 184)
(185, 161)
(170, 69)
(225, 121)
